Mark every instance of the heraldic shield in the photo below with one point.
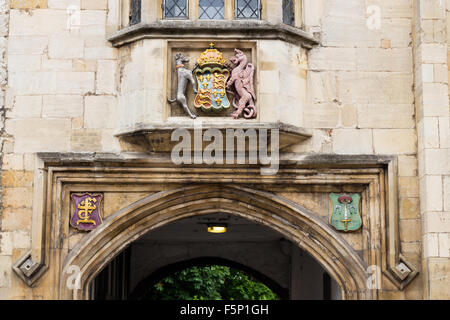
(212, 77)
(86, 211)
(346, 214)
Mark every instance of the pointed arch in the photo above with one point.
(293, 221)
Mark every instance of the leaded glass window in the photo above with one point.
(135, 12)
(176, 9)
(211, 9)
(248, 9)
(288, 12)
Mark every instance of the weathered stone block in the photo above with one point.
(56, 64)
(444, 245)
(100, 112)
(392, 60)
(375, 88)
(439, 278)
(431, 193)
(27, 45)
(409, 208)
(410, 230)
(321, 115)
(16, 219)
(26, 107)
(44, 22)
(28, 4)
(437, 222)
(408, 187)
(63, 4)
(431, 245)
(17, 178)
(94, 5)
(349, 116)
(5, 271)
(6, 244)
(17, 198)
(323, 58)
(106, 77)
(435, 100)
(21, 239)
(352, 141)
(386, 116)
(75, 82)
(62, 106)
(394, 141)
(444, 132)
(18, 63)
(321, 87)
(41, 134)
(447, 193)
(407, 166)
(82, 65)
(65, 47)
(436, 161)
(86, 140)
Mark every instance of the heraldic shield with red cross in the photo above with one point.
(86, 211)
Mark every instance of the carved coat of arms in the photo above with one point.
(86, 211)
(346, 213)
(216, 77)
(212, 77)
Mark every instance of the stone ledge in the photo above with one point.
(306, 160)
(249, 30)
(156, 137)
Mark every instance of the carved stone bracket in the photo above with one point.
(28, 269)
(156, 137)
(218, 29)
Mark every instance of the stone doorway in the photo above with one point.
(293, 222)
(261, 252)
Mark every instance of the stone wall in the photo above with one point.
(432, 116)
(6, 238)
(360, 97)
(61, 96)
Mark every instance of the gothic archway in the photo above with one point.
(205, 261)
(291, 220)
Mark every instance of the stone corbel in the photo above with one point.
(236, 29)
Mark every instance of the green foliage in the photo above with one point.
(210, 283)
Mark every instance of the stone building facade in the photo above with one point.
(356, 89)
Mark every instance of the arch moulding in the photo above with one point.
(291, 220)
(171, 192)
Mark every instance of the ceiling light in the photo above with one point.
(217, 228)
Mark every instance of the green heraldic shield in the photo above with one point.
(346, 213)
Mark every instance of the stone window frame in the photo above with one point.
(230, 12)
(156, 10)
(163, 4)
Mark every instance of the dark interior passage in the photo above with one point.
(248, 246)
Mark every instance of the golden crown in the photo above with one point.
(211, 56)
